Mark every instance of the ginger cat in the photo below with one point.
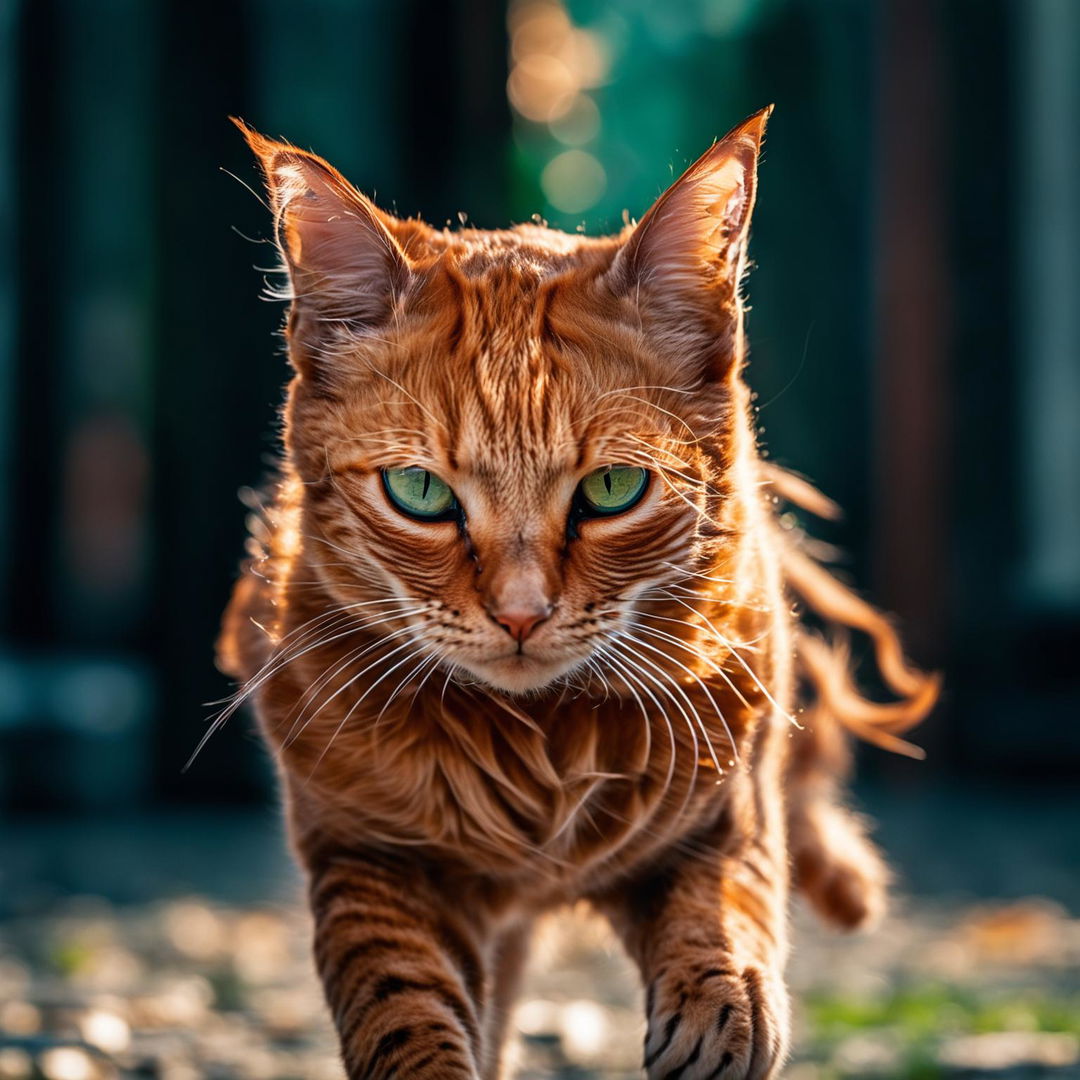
(518, 626)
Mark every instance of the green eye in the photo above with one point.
(613, 489)
(419, 493)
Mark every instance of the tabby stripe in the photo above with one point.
(756, 870)
(725, 1061)
(446, 1050)
(714, 973)
(352, 889)
(669, 1033)
(427, 1059)
(761, 920)
(411, 942)
(467, 961)
(390, 1042)
(332, 979)
(674, 1074)
(370, 865)
(752, 981)
(358, 889)
(390, 986)
(722, 1019)
(364, 917)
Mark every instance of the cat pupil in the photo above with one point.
(427, 484)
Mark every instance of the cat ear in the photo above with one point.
(344, 264)
(684, 260)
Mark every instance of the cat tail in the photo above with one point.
(835, 864)
(824, 661)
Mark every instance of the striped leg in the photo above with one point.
(402, 972)
(709, 938)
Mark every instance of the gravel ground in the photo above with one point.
(114, 981)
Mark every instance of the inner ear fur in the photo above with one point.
(682, 264)
(345, 266)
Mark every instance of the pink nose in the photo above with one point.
(520, 624)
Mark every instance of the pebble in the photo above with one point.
(194, 990)
(106, 1031)
(999, 1050)
(20, 1018)
(71, 1063)
(15, 1064)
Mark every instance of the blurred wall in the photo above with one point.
(913, 330)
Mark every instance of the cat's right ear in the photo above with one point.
(345, 266)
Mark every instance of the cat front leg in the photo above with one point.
(709, 938)
(401, 968)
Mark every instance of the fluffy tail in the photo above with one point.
(834, 863)
(825, 662)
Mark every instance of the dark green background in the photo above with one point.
(912, 343)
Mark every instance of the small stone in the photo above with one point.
(1000, 1050)
(14, 978)
(183, 1003)
(802, 1070)
(867, 1055)
(537, 1017)
(328, 1067)
(112, 968)
(67, 1063)
(194, 930)
(286, 1012)
(260, 947)
(106, 1031)
(180, 1070)
(20, 1018)
(15, 1064)
(584, 1027)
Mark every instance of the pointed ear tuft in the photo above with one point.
(687, 255)
(343, 261)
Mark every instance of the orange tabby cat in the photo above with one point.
(519, 625)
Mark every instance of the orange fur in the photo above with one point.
(444, 784)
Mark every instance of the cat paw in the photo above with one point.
(838, 868)
(716, 1023)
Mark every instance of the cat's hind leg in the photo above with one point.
(834, 863)
(508, 964)
(836, 866)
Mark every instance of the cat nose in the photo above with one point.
(520, 624)
(519, 594)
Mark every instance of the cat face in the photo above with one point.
(518, 505)
(510, 439)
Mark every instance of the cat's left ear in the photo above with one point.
(683, 262)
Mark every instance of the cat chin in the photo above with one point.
(521, 676)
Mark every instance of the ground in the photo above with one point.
(112, 966)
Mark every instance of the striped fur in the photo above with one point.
(444, 785)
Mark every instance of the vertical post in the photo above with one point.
(8, 282)
(912, 459)
(1049, 247)
(103, 283)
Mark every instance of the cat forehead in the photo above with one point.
(533, 249)
(499, 413)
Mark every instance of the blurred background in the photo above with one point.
(915, 351)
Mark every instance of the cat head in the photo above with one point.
(508, 442)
